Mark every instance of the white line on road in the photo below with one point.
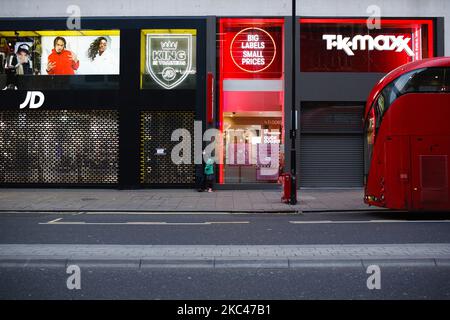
(162, 213)
(368, 221)
(143, 223)
(53, 221)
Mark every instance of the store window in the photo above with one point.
(168, 59)
(53, 60)
(347, 45)
(251, 99)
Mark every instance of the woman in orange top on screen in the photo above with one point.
(62, 61)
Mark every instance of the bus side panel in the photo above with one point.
(431, 172)
(375, 179)
(397, 172)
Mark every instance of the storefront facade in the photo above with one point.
(340, 61)
(224, 69)
(102, 128)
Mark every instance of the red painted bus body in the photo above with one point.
(407, 138)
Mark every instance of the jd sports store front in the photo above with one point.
(106, 120)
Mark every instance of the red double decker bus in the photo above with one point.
(407, 138)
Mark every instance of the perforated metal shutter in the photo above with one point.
(331, 146)
(59, 147)
(157, 166)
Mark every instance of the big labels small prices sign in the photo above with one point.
(253, 49)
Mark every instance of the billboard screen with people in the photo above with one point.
(57, 53)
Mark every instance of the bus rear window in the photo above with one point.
(426, 80)
(420, 80)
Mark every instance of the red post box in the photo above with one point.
(286, 187)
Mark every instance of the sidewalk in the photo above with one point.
(179, 200)
(217, 256)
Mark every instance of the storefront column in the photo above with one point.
(129, 120)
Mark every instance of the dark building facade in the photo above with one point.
(114, 127)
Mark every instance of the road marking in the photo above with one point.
(143, 223)
(171, 213)
(163, 213)
(53, 221)
(33, 212)
(368, 221)
(228, 222)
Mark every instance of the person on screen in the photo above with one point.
(22, 61)
(62, 61)
(103, 61)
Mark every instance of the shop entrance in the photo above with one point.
(251, 100)
(331, 144)
(252, 146)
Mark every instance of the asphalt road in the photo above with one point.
(319, 282)
(224, 229)
(225, 284)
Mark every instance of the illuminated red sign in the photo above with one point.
(253, 49)
(347, 45)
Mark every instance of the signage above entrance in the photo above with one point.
(253, 49)
(360, 42)
(168, 59)
(348, 45)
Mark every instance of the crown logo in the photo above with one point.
(169, 45)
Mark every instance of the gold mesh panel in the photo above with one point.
(59, 147)
(156, 132)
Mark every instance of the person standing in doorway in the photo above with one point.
(209, 173)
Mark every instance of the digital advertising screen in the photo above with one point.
(26, 56)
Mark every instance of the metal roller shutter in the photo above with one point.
(331, 145)
(331, 161)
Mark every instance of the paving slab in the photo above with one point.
(310, 200)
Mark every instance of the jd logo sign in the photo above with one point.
(169, 58)
(31, 100)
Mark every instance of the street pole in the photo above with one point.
(293, 134)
